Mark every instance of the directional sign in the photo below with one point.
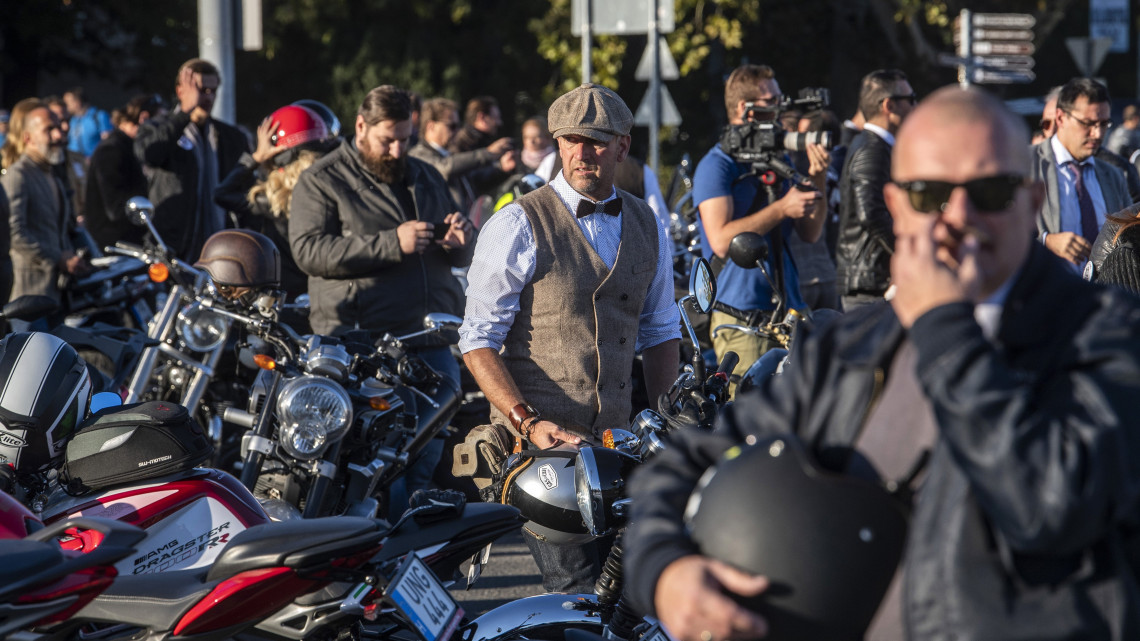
(1005, 62)
(1110, 19)
(668, 66)
(1003, 34)
(1088, 53)
(1004, 20)
(620, 17)
(1002, 48)
(1003, 76)
(670, 117)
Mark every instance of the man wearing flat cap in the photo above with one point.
(567, 284)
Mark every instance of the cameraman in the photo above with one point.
(730, 201)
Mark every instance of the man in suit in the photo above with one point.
(1080, 192)
(40, 212)
(186, 155)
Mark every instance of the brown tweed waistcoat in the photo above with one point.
(571, 347)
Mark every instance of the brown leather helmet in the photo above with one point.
(241, 258)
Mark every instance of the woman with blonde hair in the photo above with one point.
(259, 190)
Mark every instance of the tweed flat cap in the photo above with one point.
(592, 111)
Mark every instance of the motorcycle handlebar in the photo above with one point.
(728, 363)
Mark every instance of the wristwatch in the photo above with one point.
(519, 414)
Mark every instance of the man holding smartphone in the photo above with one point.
(378, 233)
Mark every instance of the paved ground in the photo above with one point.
(510, 574)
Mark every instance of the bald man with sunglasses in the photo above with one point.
(1016, 377)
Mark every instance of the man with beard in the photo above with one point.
(365, 225)
(40, 212)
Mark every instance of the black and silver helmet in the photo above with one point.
(44, 392)
(541, 485)
(829, 543)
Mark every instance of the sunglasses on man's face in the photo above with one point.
(989, 194)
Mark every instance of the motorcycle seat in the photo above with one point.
(293, 544)
(476, 519)
(155, 601)
(21, 559)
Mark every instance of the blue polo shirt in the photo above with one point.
(744, 289)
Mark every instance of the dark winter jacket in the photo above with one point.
(866, 235)
(342, 228)
(172, 176)
(1030, 509)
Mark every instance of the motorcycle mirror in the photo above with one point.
(437, 320)
(140, 210)
(29, 308)
(103, 400)
(748, 249)
(702, 285)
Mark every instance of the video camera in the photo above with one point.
(762, 137)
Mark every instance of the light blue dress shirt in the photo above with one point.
(504, 263)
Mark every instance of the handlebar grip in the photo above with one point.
(728, 363)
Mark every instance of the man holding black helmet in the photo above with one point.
(731, 201)
(1015, 377)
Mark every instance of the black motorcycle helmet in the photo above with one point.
(541, 485)
(829, 543)
(240, 258)
(44, 393)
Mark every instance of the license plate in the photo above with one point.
(423, 600)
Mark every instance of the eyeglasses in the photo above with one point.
(912, 97)
(1092, 124)
(990, 194)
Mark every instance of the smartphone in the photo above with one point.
(440, 230)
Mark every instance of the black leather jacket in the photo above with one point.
(1029, 509)
(866, 234)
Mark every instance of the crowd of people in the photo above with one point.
(970, 341)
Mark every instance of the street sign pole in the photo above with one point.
(654, 88)
(587, 43)
(965, 48)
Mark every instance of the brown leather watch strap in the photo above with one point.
(518, 415)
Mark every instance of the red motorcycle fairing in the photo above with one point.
(188, 517)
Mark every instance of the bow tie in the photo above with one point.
(587, 207)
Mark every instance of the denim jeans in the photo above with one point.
(572, 569)
(419, 473)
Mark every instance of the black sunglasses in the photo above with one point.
(912, 97)
(989, 194)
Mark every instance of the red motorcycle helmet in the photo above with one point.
(297, 125)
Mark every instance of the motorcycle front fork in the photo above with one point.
(617, 616)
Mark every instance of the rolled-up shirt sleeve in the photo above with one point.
(503, 264)
(660, 318)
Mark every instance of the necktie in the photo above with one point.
(1089, 228)
(587, 207)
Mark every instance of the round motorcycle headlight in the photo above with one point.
(599, 480)
(201, 329)
(313, 413)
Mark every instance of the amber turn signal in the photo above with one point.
(158, 272)
(264, 361)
